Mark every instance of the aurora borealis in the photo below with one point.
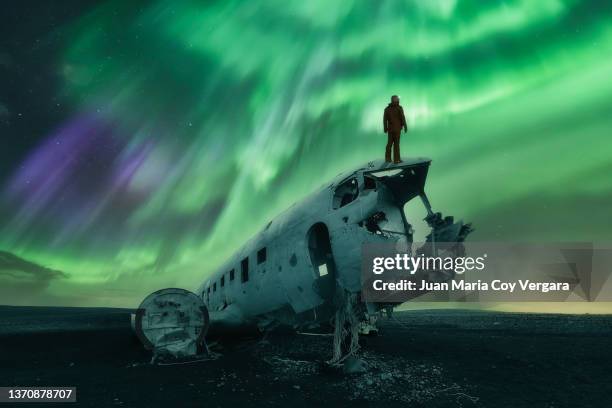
(187, 126)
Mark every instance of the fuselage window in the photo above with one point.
(222, 281)
(261, 255)
(231, 275)
(244, 269)
(369, 183)
(346, 193)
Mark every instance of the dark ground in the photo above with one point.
(424, 358)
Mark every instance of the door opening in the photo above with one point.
(321, 257)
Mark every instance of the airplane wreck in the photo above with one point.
(303, 269)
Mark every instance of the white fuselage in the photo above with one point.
(279, 268)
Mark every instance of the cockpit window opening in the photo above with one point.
(369, 183)
(345, 193)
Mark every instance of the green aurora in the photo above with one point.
(195, 123)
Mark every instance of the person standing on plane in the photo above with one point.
(393, 122)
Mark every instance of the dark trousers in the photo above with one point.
(393, 139)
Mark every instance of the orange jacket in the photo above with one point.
(394, 119)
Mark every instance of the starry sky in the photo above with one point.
(144, 141)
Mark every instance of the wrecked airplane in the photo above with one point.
(304, 268)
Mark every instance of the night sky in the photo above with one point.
(144, 142)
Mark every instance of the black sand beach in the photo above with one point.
(420, 358)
